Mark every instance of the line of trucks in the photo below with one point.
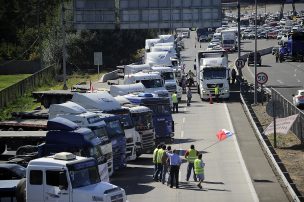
(108, 128)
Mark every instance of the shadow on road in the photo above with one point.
(209, 182)
(134, 180)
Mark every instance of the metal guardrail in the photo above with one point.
(291, 191)
(285, 108)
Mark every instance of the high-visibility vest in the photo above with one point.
(174, 98)
(192, 155)
(155, 155)
(197, 167)
(159, 156)
(216, 90)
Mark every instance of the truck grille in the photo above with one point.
(129, 150)
(148, 141)
(213, 85)
(171, 88)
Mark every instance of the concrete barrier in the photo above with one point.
(109, 76)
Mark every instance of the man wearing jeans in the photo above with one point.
(175, 162)
(191, 155)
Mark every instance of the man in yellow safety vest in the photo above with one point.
(217, 92)
(199, 170)
(158, 173)
(191, 155)
(175, 102)
(155, 152)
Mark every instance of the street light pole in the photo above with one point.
(63, 46)
(255, 55)
(239, 29)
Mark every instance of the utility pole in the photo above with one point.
(255, 55)
(239, 35)
(63, 46)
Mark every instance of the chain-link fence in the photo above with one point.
(283, 108)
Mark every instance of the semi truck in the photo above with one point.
(212, 69)
(66, 177)
(62, 136)
(229, 42)
(83, 118)
(103, 102)
(294, 48)
(162, 115)
(143, 120)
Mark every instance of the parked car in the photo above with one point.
(9, 171)
(298, 99)
(250, 59)
(203, 38)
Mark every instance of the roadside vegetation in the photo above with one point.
(8, 80)
(27, 102)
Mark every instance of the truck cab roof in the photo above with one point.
(214, 62)
(162, 69)
(116, 90)
(144, 76)
(100, 101)
(51, 161)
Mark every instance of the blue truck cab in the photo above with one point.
(65, 136)
(294, 47)
(117, 136)
(162, 115)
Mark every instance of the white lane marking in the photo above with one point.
(179, 175)
(248, 179)
(182, 134)
(184, 119)
(299, 81)
(295, 75)
(279, 81)
(295, 70)
(299, 65)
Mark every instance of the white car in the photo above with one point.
(298, 99)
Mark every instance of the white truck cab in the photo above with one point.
(171, 83)
(65, 177)
(83, 118)
(212, 69)
(103, 102)
(116, 90)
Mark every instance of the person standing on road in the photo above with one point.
(166, 164)
(189, 96)
(217, 92)
(175, 102)
(159, 170)
(233, 76)
(190, 156)
(155, 152)
(175, 162)
(199, 170)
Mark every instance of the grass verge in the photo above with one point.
(8, 80)
(27, 102)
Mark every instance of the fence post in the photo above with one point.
(301, 129)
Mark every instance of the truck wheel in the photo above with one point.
(21, 191)
(26, 149)
(2, 148)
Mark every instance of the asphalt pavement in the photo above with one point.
(236, 168)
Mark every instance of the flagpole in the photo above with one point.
(212, 145)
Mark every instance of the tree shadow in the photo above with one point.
(295, 147)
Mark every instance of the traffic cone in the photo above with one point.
(210, 99)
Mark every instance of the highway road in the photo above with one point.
(236, 168)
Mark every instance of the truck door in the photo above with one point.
(52, 191)
(34, 186)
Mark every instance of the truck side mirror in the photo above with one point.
(63, 183)
(293, 95)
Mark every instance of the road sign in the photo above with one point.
(275, 105)
(240, 63)
(262, 78)
(97, 58)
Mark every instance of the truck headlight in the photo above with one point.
(97, 198)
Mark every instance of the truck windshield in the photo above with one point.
(143, 121)
(94, 152)
(168, 75)
(126, 121)
(228, 41)
(155, 83)
(160, 109)
(214, 73)
(114, 128)
(102, 134)
(85, 175)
